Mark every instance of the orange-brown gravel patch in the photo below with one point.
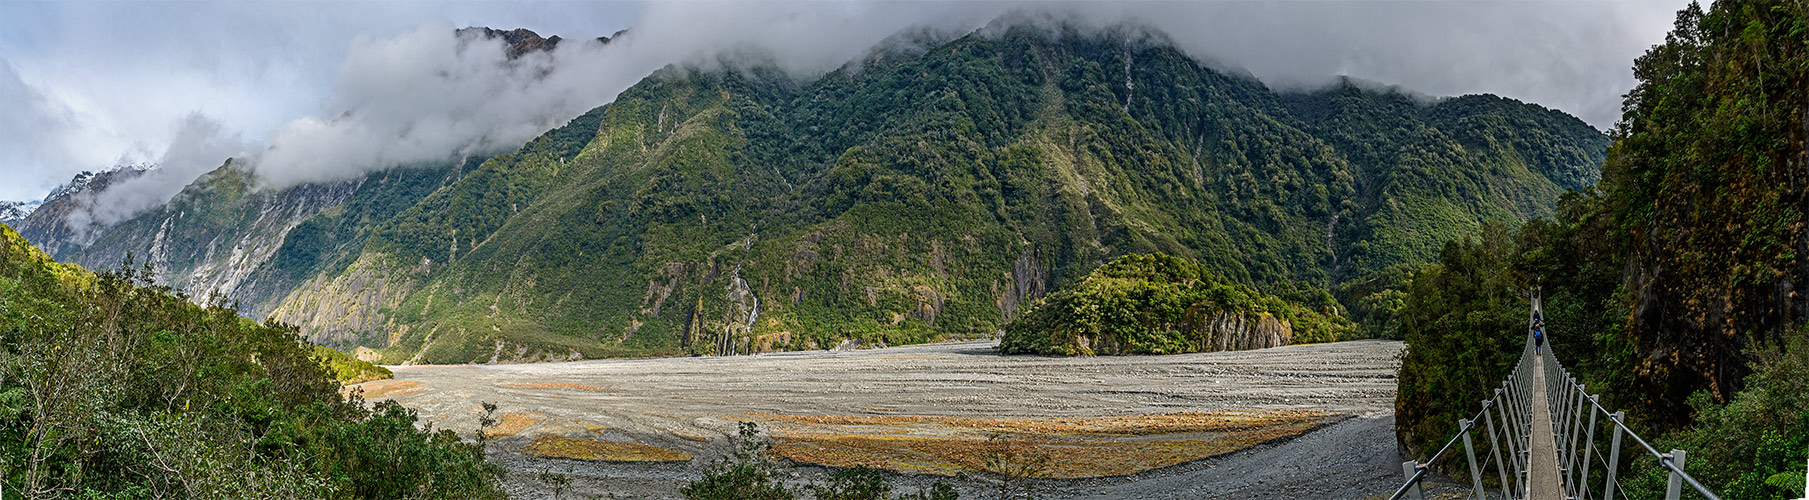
(509, 424)
(555, 446)
(385, 388)
(1074, 447)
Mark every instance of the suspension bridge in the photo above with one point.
(1542, 428)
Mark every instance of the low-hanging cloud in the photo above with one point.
(428, 95)
(431, 95)
(425, 95)
(200, 144)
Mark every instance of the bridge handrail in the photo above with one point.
(1419, 469)
(1513, 401)
(1667, 461)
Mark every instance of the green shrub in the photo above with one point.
(114, 387)
(1754, 446)
(746, 474)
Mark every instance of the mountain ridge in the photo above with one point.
(931, 193)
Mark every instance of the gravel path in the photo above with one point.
(691, 404)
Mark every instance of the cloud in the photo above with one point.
(42, 132)
(200, 144)
(429, 95)
(1575, 56)
(424, 95)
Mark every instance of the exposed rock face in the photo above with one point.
(1242, 332)
(522, 41)
(1028, 282)
(338, 310)
(210, 239)
(1221, 331)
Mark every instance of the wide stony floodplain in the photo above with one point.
(1090, 426)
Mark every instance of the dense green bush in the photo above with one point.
(113, 387)
(1464, 321)
(1755, 445)
(1160, 304)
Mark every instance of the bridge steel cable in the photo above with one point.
(1572, 416)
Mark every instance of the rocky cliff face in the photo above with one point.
(1220, 331)
(1712, 211)
(211, 238)
(342, 309)
(1242, 332)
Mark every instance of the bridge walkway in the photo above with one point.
(1542, 471)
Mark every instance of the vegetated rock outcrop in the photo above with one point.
(929, 190)
(1159, 304)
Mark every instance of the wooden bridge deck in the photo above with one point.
(1542, 471)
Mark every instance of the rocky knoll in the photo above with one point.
(1158, 304)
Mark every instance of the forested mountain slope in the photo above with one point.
(934, 188)
(927, 190)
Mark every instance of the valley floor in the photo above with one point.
(690, 405)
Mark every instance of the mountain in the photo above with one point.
(63, 222)
(217, 238)
(14, 212)
(521, 41)
(931, 189)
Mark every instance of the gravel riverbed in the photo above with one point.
(692, 404)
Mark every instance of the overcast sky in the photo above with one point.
(323, 90)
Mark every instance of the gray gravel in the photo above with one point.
(691, 404)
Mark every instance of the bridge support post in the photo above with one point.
(1614, 456)
(1507, 489)
(1582, 480)
(1412, 468)
(1463, 426)
(1674, 486)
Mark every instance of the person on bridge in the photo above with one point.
(1538, 330)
